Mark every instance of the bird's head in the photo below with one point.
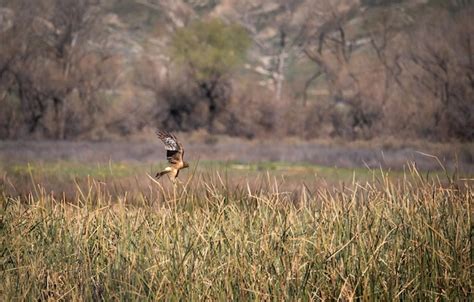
(185, 165)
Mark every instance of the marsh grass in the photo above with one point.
(207, 239)
(63, 178)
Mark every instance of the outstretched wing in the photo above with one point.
(174, 149)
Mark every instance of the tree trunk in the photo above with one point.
(59, 117)
(280, 76)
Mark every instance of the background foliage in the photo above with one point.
(328, 69)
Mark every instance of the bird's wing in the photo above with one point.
(174, 149)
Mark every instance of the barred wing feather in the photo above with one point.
(174, 150)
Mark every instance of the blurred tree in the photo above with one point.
(209, 51)
(276, 28)
(332, 48)
(54, 66)
(440, 68)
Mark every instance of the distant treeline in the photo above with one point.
(334, 68)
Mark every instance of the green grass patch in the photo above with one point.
(63, 177)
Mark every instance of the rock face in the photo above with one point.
(142, 28)
(6, 19)
(325, 54)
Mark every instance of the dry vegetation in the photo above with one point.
(254, 219)
(335, 68)
(402, 238)
(344, 83)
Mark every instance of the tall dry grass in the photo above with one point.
(408, 239)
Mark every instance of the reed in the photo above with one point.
(205, 239)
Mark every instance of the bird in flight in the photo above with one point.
(174, 154)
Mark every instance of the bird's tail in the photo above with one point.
(159, 174)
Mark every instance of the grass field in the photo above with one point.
(267, 231)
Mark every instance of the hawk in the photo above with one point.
(174, 154)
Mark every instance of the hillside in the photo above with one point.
(334, 68)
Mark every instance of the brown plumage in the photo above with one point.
(174, 154)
